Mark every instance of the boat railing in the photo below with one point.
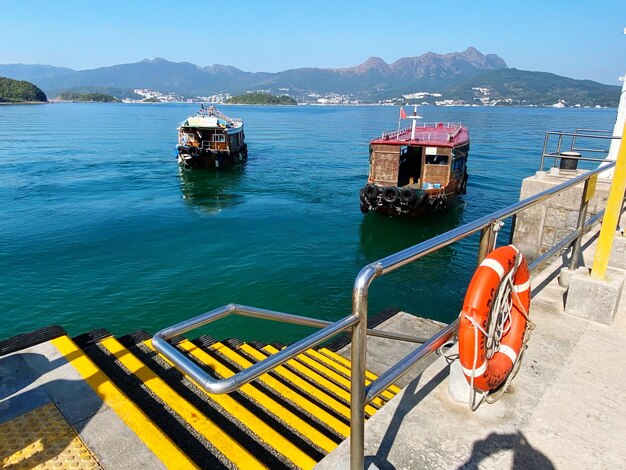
(213, 111)
(426, 131)
(565, 148)
(361, 394)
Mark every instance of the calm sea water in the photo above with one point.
(99, 227)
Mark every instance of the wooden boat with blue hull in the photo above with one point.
(420, 168)
(210, 139)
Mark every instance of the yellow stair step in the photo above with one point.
(346, 363)
(263, 431)
(222, 442)
(293, 421)
(343, 370)
(289, 394)
(324, 382)
(160, 445)
(301, 384)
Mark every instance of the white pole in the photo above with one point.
(617, 129)
(398, 131)
(414, 120)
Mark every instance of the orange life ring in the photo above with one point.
(483, 373)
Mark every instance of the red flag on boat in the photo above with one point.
(402, 113)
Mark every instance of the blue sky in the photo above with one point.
(578, 39)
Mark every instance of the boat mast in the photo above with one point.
(415, 117)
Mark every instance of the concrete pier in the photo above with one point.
(539, 228)
(565, 409)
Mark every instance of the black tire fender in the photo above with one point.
(407, 195)
(437, 204)
(370, 192)
(390, 194)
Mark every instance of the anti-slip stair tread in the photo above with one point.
(91, 337)
(197, 449)
(27, 340)
(291, 420)
(218, 408)
(233, 342)
(346, 363)
(296, 400)
(133, 416)
(328, 372)
(216, 353)
(281, 373)
(320, 381)
(342, 370)
(199, 425)
(276, 435)
(135, 337)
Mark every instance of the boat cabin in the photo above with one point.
(210, 139)
(417, 166)
(209, 133)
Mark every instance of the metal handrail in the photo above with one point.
(218, 386)
(577, 134)
(360, 395)
(329, 329)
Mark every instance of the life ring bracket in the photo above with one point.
(494, 322)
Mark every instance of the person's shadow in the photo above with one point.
(524, 455)
(38, 418)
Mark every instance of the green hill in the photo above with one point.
(20, 91)
(262, 98)
(118, 93)
(87, 97)
(521, 87)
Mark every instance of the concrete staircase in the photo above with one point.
(289, 418)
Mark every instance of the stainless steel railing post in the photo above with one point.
(543, 153)
(486, 240)
(582, 215)
(358, 358)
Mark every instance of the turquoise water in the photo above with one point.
(99, 227)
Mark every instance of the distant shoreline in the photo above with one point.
(287, 106)
(2, 103)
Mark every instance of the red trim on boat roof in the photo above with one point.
(431, 136)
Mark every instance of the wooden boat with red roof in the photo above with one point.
(422, 167)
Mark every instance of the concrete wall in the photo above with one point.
(539, 228)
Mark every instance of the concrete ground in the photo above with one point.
(565, 409)
(40, 376)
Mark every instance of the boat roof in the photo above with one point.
(211, 118)
(438, 134)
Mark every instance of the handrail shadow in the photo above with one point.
(412, 395)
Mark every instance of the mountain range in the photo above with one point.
(453, 75)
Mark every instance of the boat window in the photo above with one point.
(218, 138)
(436, 159)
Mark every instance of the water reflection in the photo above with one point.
(431, 286)
(382, 236)
(210, 191)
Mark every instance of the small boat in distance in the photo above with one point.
(210, 139)
(419, 168)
